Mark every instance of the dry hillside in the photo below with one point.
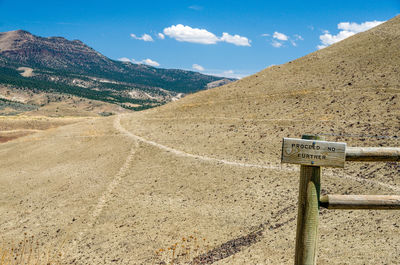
(199, 180)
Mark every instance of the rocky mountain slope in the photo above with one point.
(199, 180)
(70, 67)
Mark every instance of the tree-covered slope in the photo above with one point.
(71, 67)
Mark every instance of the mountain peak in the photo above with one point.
(8, 39)
(17, 32)
(51, 52)
(21, 32)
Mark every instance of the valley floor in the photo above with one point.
(112, 191)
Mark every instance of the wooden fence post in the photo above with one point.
(308, 211)
(312, 152)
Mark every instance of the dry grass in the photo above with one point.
(184, 251)
(30, 252)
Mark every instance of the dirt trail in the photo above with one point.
(111, 187)
(105, 197)
(119, 127)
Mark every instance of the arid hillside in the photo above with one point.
(199, 180)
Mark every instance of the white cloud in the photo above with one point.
(278, 39)
(161, 36)
(276, 44)
(229, 73)
(296, 37)
(235, 39)
(124, 59)
(195, 35)
(280, 36)
(354, 27)
(198, 67)
(265, 35)
(145, 61)
(328, 39)
(188, 34)
(150, 62)
(347, 29)
(145, 37)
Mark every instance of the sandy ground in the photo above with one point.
(26, 71)
(117, 195)
(13, 127)
(199, 180)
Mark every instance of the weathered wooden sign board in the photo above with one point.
(313, 152)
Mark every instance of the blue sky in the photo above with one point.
(231, 38)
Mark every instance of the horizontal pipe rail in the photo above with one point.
(354, 202)
(372, 154)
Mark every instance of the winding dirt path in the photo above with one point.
(119, 127)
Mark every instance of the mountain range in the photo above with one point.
(55, 65)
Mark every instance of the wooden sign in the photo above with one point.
(313, 152)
